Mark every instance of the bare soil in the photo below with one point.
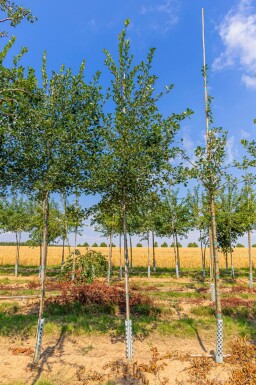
(101, 359)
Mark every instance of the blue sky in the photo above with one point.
(73, 30)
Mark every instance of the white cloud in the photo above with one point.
(244, 134)
(231, 150)
(249, 81)
(168, 11)
(238, 34)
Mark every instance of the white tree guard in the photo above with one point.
(177, 271)
(250, 280)
(219, 342)
(212, 289)
(39, 338)
(129, 342)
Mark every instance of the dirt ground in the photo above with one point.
(101, 360)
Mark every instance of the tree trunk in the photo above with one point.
(250, 259)
(226, 260)
(74, 258)
(202, 255)
(43, 276)
(120, 256)
(17, 254)
(110, 256)
(178, 251)
(219, 337)
(231, 259)
(74, 254)
(128, 323)
(130, 252)
(63, 253)
(154, 255)
(148, 258)
(175, 257)
(64, 200)
(40, 259)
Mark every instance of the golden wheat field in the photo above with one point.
(190, 257)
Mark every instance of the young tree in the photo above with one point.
(248, 216)
(57, 144)
(198, 202)
(229, 222)
(15, 217)
(138, 141)
(176, 221)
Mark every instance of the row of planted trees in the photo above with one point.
(169, 215)
(67, 136)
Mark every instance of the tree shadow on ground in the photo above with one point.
(48, 353)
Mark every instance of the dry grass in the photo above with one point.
(190, 257)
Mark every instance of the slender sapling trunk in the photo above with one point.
(43, 276)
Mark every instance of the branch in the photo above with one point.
(6, 19)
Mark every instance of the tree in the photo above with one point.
(164, 244)
(138, 140)
(192, 244)
(14, 14)
(103, 244)
(57, 144)
(198, 203)
(172, 244)
(175, 221)
(229, 222)
(248, 216)
(15, 217)
(36, 224)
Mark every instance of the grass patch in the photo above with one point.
(17, 324)
(9, 307)
(203, 311)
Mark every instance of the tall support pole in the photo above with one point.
(213, 233)
(219, 321)
(40, 325)
(128, 321)
(207, 141)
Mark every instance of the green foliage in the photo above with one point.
(15, 215)
(139, 245)
(254, 245)
(95, 244)
(239, 245)
(85, 244)
(172, 244)
(192, 244)
(164, 244)
(55, 225)
(87, 267)
(103, 244)
(14, 14)
(138, 150)
(155, 244)
(230, 224)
